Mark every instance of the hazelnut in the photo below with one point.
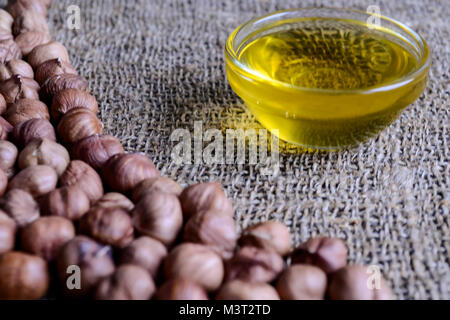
(5, 128)
(115, 200)
(196, 263)
(16, 7)
(214, 229)
(158, 215)
(47, 51)
(78, 123)
(6, 21)
(241, 290)
(13, 67)
(69, 202)
(52, 68)
(94, 260)
(37, 180)
(128, 282)
(29, 21)
(23, 276)
(8, 156)
(81, 174)
(46, 235)
(204, 196)
(7, 233)
(32, 129)
(59, 82)
(268, 235)
(3, 182)
(181, 289)
(159, 184)
(72, 98)
(145, 252)
(18, 87)
(353, 283)
(302, 282)
(9, 50)
(97, 149)
(29, 40)
(20, 206)
(253, 264)
(123, 172)
(44, 152)
(26, 109)
(111, 226)
(329, 254)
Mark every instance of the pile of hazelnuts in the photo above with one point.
(72, 199)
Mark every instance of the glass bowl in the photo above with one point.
(324, 117)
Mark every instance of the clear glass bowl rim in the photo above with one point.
(424, 62)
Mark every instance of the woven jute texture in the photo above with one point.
(158, 65)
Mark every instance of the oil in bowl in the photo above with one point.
(326, 78)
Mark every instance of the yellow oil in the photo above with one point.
(333, 69)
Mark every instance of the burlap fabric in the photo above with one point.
(158, 65)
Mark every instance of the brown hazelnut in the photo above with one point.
(302, 282)
(69, 202)
(47, 51)
(44, 152)
(6, 21)
(17, 7)
(3, 182)
(123, 172)
(329, 254)
(9, 50)
(81, 174)
(20, 206)
(23, 276)
(94, 260)
(97, 149)
(268, 235)
(52, 68)
(14, 67)
(204, 196)
(160, 184)
(26, 109)
(214, 229)
(32, 129)
(29, 40)
(7, 233)
(111, 226)
(128, 282)
(241, 290)
(29, 21)
(196, 263)
(78, 123)
(8, 156)
(181, 289)
(253, 264)
(158, 215)
(46, 235)
(18, 87)
(5, 129)
(145, 252)
(72, 98)
(115, 200)
(353, 282)
(57, 83)
(37, 180)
